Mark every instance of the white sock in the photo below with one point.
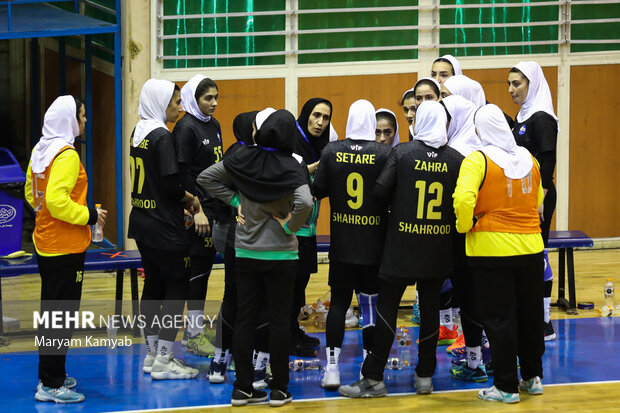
(165, 348)
(219, 355)
(254, 357)
(262, 359)
(456, 312)
(474, 357)
(333, 354)
(547, 308)
(365, 353)
(417, 297)
(196, 322)
(445, 318)
(485, 339)
(151, 344)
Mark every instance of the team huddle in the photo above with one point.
(461, 210)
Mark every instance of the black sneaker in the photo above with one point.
(302, 350)
(307, 340)
(241, 398)
(549, 332)
(279, 398)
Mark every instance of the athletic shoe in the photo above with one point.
(458, 349)
(279, 398)
(59, 395)
(185, 337)
(262, 379)
(363, 388)
(423, 385)
(549, 332)
(70, 382)
(494, 394)
(465, 373)
(306, 340)
(331, 377)
(148, 363)
(241, 398)
(200, 345)
(415, 315)
(169, 367)
(532, 386)
(217, 372)
(446, 336)
(302, 350)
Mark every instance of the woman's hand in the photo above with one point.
(101, 216)
(240, 217)
(284, 220)
(201, 223)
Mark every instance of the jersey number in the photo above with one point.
(136, 166)
(217, 151)
(436, 189)
(355, 189)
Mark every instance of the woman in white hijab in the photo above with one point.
(197, 136)
(464, 86)
(56, 187)
(501, 187)
(156, 223)
(444, 67)
(461, 131)
(536, 129)
(347, 175)
(387, 127)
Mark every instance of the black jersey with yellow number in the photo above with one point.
(347, 174)
(199, 145)
(155, 220)
(419, 182)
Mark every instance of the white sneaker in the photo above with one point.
(331, 377)
(532, 386)
(168, 367)
(148, 363)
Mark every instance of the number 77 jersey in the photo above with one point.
(347, 174)
(419, 181)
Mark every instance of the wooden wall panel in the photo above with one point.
(381, 90)
(237, 96)
(594, 150)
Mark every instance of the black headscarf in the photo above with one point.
(310, 147)
(242, 129)
(267, 172)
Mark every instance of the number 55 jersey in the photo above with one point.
(419, 181)
(347, 174)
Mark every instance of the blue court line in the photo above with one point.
(112, 380)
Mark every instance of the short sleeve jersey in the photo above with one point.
(347, 175)
(421, 226)
(537, 134)
(155, 220)
(199, 145)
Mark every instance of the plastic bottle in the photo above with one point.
(404, 348)
(609, 292)
(300, 364)
(97, 232)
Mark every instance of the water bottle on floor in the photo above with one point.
(404, 348)
(299, 365)
(609, 292)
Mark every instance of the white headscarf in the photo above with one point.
(188, 98)
(432, 80)
(361, 123)
(262, 116)
(499, 143)
(333, 135)
(396, 137)
(538, 94)
(430, 124)
(468, 88)
(461, 132)
(154, 99)
(403, 98)
(454, 62)
(60, 127)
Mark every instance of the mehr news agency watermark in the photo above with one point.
(54, 322)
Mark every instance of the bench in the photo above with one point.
(96, 260)
(565, 241)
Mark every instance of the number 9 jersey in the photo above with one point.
(419, 182)
(347, 174)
